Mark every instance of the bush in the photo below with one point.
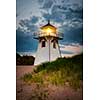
(24, 60)
(59, 72)
(38, 79)
(28, 78)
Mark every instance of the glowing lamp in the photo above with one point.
(48, 30)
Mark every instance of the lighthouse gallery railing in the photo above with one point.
(42, 34)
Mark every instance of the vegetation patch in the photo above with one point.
(59, 72)
(40, 93)
(24, 60)
(28, 78)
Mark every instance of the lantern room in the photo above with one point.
(48, 30)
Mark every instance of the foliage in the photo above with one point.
(73, 64)
(17, 56)
(60, 72)
(40, 93)
(24, 60)
(28, 78)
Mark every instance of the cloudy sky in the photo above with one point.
(66, 15)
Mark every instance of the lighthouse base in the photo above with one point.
(49, 51)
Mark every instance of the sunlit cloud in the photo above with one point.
(27, 53)
(71, 49)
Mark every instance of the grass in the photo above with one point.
(59, 72)
(28, 78)
(40, 93)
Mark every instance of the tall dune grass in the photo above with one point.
(60, 72)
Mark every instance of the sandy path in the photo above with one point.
(21, 70)
(24, 91)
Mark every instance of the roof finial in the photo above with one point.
(48, 21)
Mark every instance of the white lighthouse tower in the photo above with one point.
(48, 46)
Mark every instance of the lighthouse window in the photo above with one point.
(54, 45)
(43, 43)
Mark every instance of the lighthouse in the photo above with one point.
(48, 47)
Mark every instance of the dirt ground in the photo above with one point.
(26, 91)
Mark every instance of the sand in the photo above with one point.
(26, 91)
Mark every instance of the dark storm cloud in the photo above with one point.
(70, 18)
(17, 15)
(47, 4)
(59, 13)
(40, 1)
(29, 24)
(24, 35)
(67, 13)
(34, 19)
(56, 17)
(24, 42)
(73, 36)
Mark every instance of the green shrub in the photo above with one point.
(38, 79)
(28, 77)
(59, 72)
(56, 78)
(75, 83)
